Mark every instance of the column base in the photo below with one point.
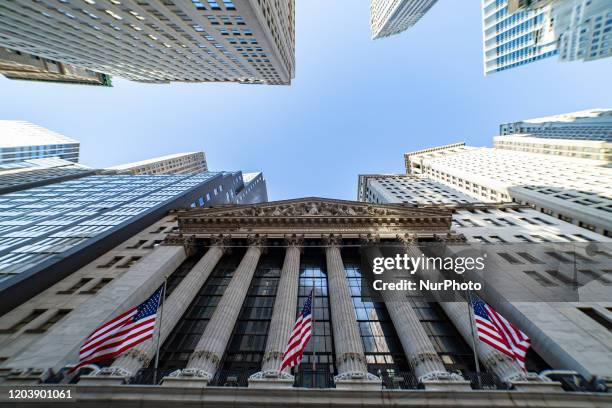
(26, 376)
(537, 386)
(358, 381)
(102, 380)
(188, 377)
(271, 379)
(446, 385)
(106, 376)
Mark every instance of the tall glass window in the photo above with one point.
(384, 354)
(247, 345)
(318, 366)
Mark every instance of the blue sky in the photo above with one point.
(355, 105)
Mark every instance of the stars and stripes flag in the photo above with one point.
(300, 336)
(121, 333)
(494, 330)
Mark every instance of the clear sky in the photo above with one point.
(355, 106)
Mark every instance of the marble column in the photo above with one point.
(506, 368)
(60, 345)
(203, 362)
(420, 352)
(174, 307)
(350, 357)
(283, 319)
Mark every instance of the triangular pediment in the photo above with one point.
(315, 207)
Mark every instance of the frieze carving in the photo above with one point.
(441, 376)
(331, 240)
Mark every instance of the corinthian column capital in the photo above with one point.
(332, 240)
(188, 242)
(222, 241)
(257, 240)
(294, 240)
(369, 239)
(407, 239)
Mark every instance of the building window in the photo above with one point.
(509, 258)
(596, 316)
(75, 287)
(26, 320)
(137, 244)
(59, 315)
(541, 279)
(111, 262)
(383, 350)
(131, 261)
(96, 288)
(530, 258)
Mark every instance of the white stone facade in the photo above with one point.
(389, 17)
(245, 41)
(179, 163)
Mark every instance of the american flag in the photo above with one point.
(494, 330)
(300, 335)
(121, 333)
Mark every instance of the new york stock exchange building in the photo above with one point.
(236, 279)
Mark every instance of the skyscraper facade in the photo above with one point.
(514, 39)
(241, 41)
(30, 173)
(584, 29)
(572, 189)
(179, 163)
(591, 124)
(17, 65)
(20, 140)
(50, 231)
(389, 17)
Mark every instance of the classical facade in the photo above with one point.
(237, 277)
(244, 41)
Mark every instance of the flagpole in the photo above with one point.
(474, 342)
(161, 314)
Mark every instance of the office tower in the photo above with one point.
(596, 150)
(533, 248)
(30, 173)
(50, 231)
(156, 41)
(583, 28)
(20, 140)
(591, 124)
(238, 275)
(514, 39)
(18, 65)
(388, 17)
(179, 163)
(575, 190)
(515, 5)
